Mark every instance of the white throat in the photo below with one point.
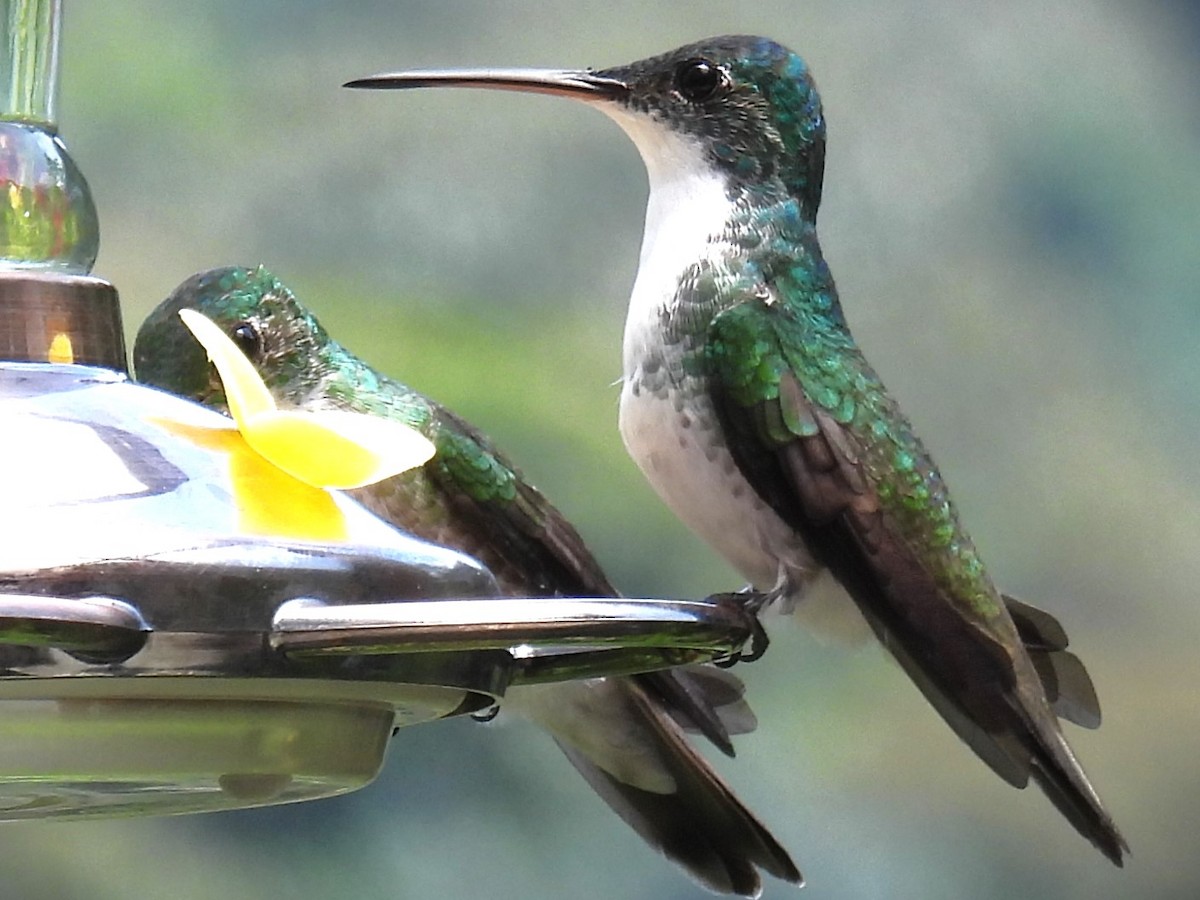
(688, 203)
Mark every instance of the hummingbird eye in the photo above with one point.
(247, 338)
(698, 79)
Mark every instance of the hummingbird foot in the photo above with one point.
(752, 602)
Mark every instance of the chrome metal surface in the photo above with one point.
(100, 627)
(553, 638)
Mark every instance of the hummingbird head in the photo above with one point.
(259, 314)
(741, 106)
(747, 105)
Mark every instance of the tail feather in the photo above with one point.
(1059, 775)
(1037, 628)
(1071, 695)
(1025, 740)
(647, 772)
(1092, 822)
(1068, 687)
(706, 700)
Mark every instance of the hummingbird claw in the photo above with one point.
(752, 602)
(759, 640)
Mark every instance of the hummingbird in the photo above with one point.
(621, 733)
(752, 412)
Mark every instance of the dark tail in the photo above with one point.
(623, 738)
(1058, 773)
(1069, 691)
(700, 824)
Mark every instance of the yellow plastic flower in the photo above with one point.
(323, 448)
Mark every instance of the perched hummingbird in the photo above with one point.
(620, 733)
(751, 410)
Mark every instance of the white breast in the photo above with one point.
(699, 482)
(696, 477)
(674, 439)
(677, 449)
(688, 199)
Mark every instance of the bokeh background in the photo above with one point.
(1010, 210)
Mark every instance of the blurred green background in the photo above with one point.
(1010, 210)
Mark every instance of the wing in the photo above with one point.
(814, 432)
(534, 548)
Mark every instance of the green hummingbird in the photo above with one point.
(620, 733)
(753, 413)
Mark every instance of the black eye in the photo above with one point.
(698, 79)
(247, 338)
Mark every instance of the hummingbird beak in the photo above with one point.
(576, 84)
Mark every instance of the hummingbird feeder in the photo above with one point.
(184, 627)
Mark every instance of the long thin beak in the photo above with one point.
(579, 85)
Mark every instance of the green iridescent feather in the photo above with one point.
(787, 319)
